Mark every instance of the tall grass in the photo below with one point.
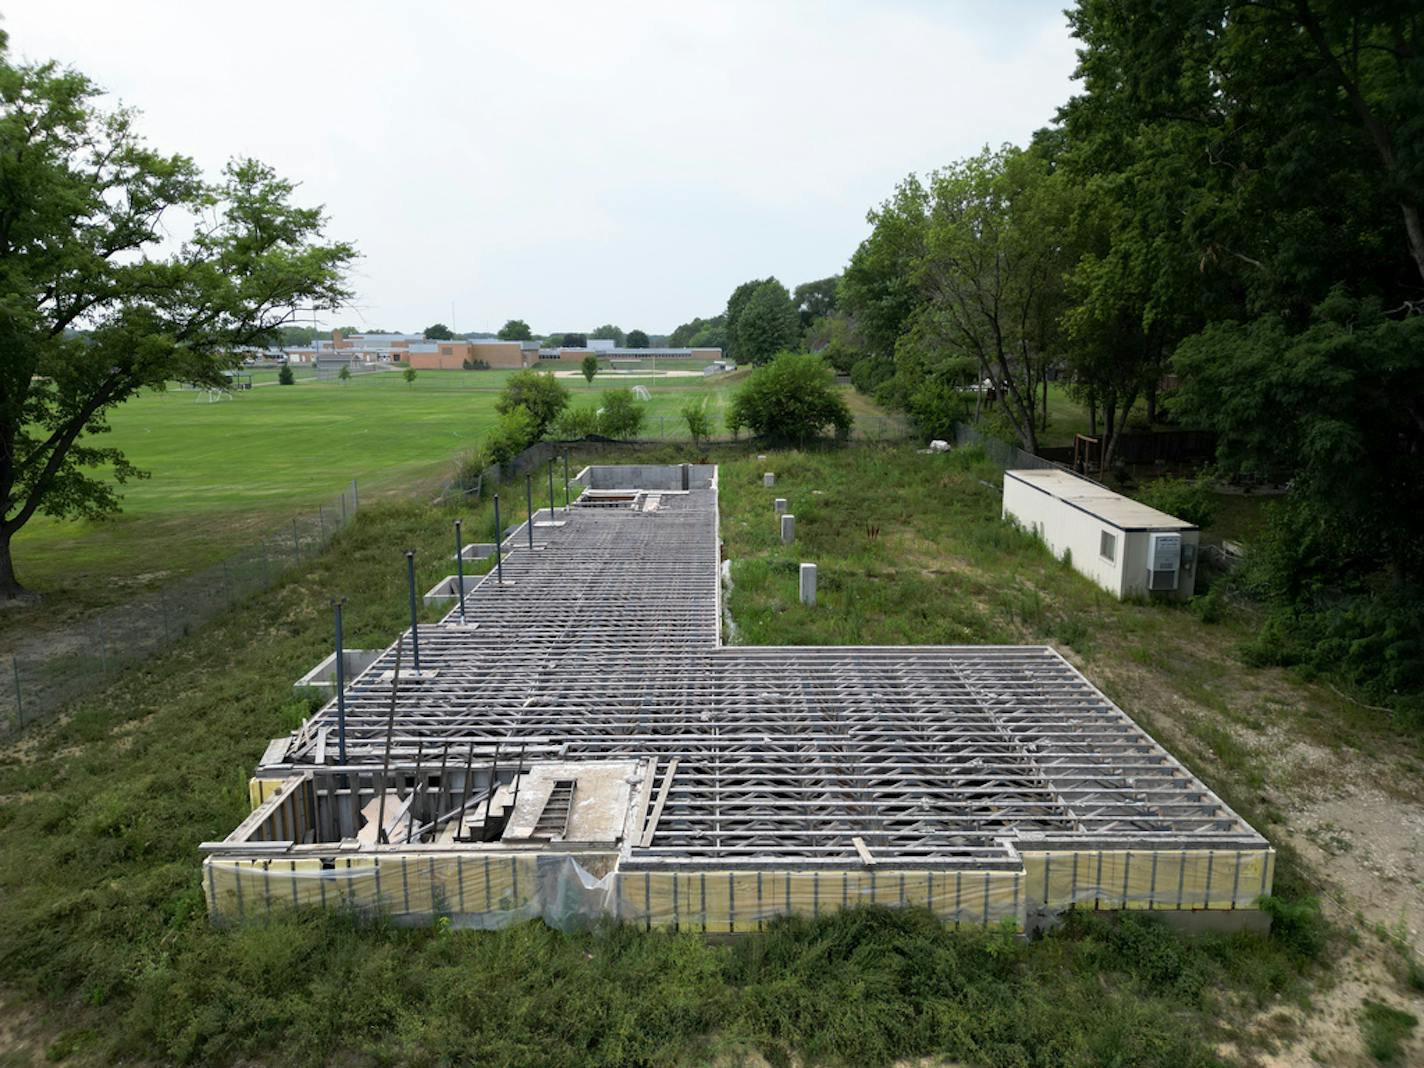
(103, 930)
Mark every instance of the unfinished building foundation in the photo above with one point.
(584, 746)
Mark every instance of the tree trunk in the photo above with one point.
(1152, 404)
(1093, 414)
(10, 588)
(1045, 398)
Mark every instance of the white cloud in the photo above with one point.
(573, 163)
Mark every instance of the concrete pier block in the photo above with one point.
(769, 479)
(808, 584)
(780, 505)
(788, 529)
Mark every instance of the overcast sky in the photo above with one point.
(572, 164)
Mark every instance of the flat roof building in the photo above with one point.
(1125, 546)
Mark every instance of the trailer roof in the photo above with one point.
(1099, 501)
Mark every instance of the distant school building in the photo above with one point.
(423, 354)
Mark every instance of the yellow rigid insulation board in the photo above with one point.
(1156, 879)
(259, 790)
(729, 902)
(490, 891)
(401, 885)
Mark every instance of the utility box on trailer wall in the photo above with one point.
(1127, 548)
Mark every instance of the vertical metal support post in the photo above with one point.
(296, 541)
(355, 497)
(414, 617)
(498, 545)
(321, 520)
(529, 507)
(460, 563)
(19, 701)
(551, 489)
(340, 683)
(566, 480)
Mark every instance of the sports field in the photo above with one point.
(228, 469)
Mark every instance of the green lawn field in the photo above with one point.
(231, 469)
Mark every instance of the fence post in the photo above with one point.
(355, 497)
(340, 682)
(163, 600)
(321, 520)
(566, 480)
(529, 507)
(414, 615)
(19, 701)
(296, 541)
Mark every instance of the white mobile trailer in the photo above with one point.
(1124, 546)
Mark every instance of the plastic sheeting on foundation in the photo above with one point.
(495, 890)
(1159, 879)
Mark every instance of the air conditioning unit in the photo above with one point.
(1164, 561)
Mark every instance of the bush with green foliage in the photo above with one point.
(473, 364)
(344, 374)
(867, 373)
(699, 423)
(575, 423)
(622, 415)
(409, 375)
(515, 432)
(285, 377)
(538, 392)
(589, 366)
(1190, 500)
(793, 400)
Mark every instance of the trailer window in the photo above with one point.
(1108, 546)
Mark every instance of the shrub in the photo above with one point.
(472, 364)
(515, 432)
(409, 375)
(621, 416)
(589, 367)
(575, 423)
(1184, 498)
(285, 376)
(699, 424)
(472, 466)
(541, 395)
(868, 373)
(792, 400)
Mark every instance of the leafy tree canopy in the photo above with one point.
(609, 332)
(438, 332)
(764, 324)
(817, 299)
(515, 330)
(539, 393)
(637, 339)
(84, 244)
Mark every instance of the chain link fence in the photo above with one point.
(47, 671)
(482, 482)
(1002, 453)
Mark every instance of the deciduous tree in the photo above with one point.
(83, 218)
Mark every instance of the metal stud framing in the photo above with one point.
(604, 643)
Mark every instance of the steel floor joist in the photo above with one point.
(603, 643)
